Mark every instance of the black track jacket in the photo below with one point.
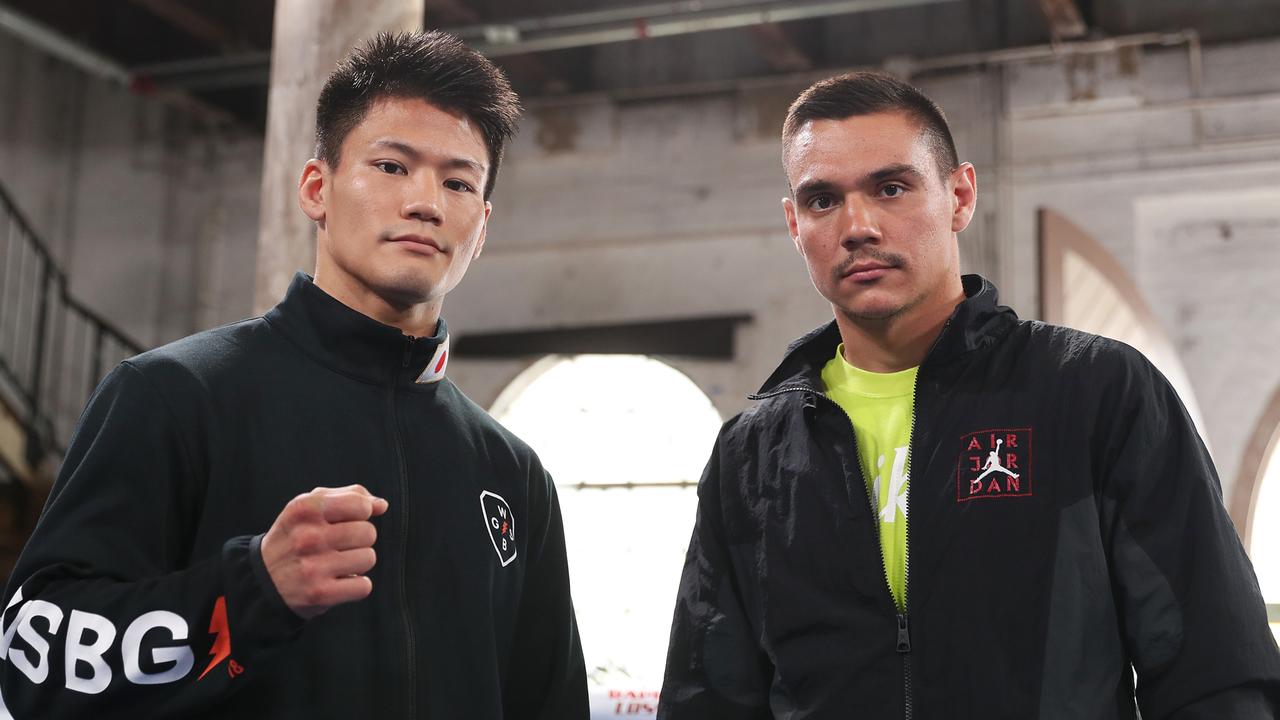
(142, 593)
(1028, 597)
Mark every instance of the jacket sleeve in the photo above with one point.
(547, 678)
(1192, 615)
(106, 614)
(715, 665)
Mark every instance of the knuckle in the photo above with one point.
(298, 509)
(314, 596)
(309, 571)
(307, 540)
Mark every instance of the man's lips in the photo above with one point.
(867, 270)
(418, 243)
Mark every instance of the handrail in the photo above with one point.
(53, 349)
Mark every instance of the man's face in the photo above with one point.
(403, 214)
(872, 215)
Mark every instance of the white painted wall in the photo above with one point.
(1130, 167)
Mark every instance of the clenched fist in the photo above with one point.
(320, 546)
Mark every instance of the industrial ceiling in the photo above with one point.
(218, 51)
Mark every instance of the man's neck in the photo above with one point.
(415, 319)
(899, 342)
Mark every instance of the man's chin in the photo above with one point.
(875, 314)
(406, 291)
(874, 309)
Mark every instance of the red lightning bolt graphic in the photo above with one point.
(503, 531)
(221, 649)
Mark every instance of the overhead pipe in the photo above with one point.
(556, 32)
(908, 67)
(1052, 50)
(90, 61)
(599, 27)
(62, 47)
(604, 26)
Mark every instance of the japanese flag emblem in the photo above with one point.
(502, 526)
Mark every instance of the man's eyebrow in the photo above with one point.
(813, 186)
(888, 172)
(416, 155)
(893, 171)
(466, 163)
(400, 147)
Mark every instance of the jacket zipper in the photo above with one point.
(410, 661)
(903, 643)
(904, 629)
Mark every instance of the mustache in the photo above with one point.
(869, 253)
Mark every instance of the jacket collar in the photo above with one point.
(979, 320)
(354, 344)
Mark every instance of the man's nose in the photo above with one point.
(424, 202)
(861, 225)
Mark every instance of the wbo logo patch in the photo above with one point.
(502, 526)
(993, 464)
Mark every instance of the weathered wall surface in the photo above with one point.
(619, 209)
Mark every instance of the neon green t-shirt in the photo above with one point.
(880, 407)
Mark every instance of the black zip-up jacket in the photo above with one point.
(142, 592)
(1095, 542)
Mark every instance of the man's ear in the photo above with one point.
(789, 209)
(484, 230)
(313, 189)
(964, 194)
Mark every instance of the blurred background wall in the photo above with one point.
(1127, 155)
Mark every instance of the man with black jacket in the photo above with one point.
(184, 567)
(1066, 528)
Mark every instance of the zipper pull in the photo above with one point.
(904, 634)
(408, 350)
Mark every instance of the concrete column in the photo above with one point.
(310, 37)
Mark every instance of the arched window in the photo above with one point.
(1260, 480)
(626, 438)
(1083, 287)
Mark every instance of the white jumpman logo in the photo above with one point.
(993, 464)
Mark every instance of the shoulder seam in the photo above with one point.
(181, 434)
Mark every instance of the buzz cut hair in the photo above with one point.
(868, 93)
(433, 66)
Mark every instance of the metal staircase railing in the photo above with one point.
(53, 349)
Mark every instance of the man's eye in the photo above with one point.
(821, 202)
(390, 168)
(458, 186)
(893, 190)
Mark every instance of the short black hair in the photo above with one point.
(867, 93)
(433, 66)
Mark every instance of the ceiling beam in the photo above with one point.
(192, 22)
(526, 67)
(1064, 18)
(446, 13)
(779, 50)
(559, 32)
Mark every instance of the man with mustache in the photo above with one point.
(854, 556)
(299, 515)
